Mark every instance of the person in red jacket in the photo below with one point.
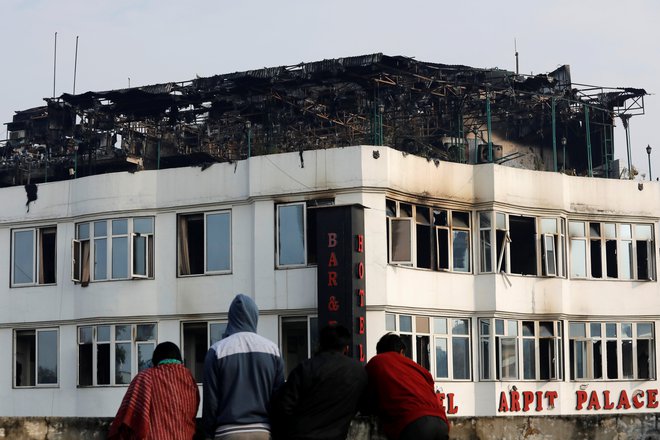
(402, 394)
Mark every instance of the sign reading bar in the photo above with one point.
(341, 286)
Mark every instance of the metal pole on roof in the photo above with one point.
(554, 136)
(490, 143)
(586, 118)
(54, 64)
(625, 119)
(75, 66)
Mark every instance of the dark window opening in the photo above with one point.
(49, 252)
(523, 245)
(610, 250)
(103, 364)
(597, 347)
(612, 369)
(643, 359)
(443, 248)
(596, 260)
(423, 349)
(643, 260)
(85, 365)
(424, 246)
(195, 345)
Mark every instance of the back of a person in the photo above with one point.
(407, 387)
(174, 403)
(247, 368)
(334, 384)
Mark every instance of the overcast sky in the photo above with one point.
(606, 42)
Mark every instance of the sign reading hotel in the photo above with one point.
(341, 277)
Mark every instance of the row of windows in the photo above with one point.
(123, 248)
(528, 350)
(508, 349)
(442, 239)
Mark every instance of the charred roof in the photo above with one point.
(446, 112)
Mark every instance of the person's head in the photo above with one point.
(335, 338)
(390, 342)
(243, 316)
(166, 350)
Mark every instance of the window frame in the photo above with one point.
(80, 263)
(278, 246)
(624, 238)
(209, 342)
(501, 330)
(36, 331)
(228, 245)
(135, 341)
(37, 257)
(606, 341)
(434, 335)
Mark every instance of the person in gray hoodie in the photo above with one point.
(241, 372)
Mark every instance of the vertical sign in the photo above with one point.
(341, 282)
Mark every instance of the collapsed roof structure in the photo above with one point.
(443, 112)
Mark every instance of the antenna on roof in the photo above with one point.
(515, 48)
(129, 82)
(75, 66)
(54, 64)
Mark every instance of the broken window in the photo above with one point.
(511, 349)
(116, 249)
(113, 354)
(486, 241)
(34, 255)
(204, 243)
(611, 350)
(428, 237)
(36, 357)
(620, 251)
(197, 338)
(522, 231)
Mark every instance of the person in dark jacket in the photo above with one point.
(403, 395)
(322, 394)
(241, 372)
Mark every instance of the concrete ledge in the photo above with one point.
(605, 427)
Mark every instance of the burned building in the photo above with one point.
(442, 112)
(381, 192)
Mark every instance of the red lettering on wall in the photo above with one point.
(361, 296)
(504, 404)
(551, 396)
(332, 239)
(635, 400)
(332, 279)
(581, 399)
(515, 401)
(539, 402)
(360, 270)
(651, 398)
(607, 404)
(360, 243)
(451, 408)
(361, 325)
(332, 261)
(593, 401)
(623, 401)
(361, 351)
(333, 304)
(528, 399)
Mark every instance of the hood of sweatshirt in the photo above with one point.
(243, 316)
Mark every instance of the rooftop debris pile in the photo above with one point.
(445, 112)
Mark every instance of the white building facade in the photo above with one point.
(523, 292)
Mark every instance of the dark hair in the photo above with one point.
(334, 337)
(390, 342)
(165, 350)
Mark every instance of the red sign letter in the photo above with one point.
(360, 270)
(651, 401)
(332, 279)
(332, 239)
(528, 399)
(361, 296)
(593, 401)
(623, 400)
(581, 399)
(606, 397)
(332, 261)
(360, 243)
(504, 405)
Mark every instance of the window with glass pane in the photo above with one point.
(114, 354)
(116, 249)
(218, 242)
(291, 235)
(33, 256)
(36, 358)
